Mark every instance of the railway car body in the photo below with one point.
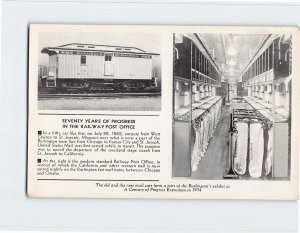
(88, 66)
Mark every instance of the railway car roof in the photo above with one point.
(94, 47)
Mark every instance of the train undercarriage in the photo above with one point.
(102, 85)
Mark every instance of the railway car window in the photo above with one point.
(205, 66)
(128, 49)
(80, 46)
(258, 66)
(196, 59)
(83, 60)
(263, 62)
(108, 57)
(91, 47)
(208, 68)
(193, 56)
(267, 59)
(201, 63)
(271, 56)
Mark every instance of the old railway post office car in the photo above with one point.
(88, 67)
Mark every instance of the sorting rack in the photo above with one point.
(184, 113)
(267, 110)
(251, 115)
(199, 110)
(248, 115)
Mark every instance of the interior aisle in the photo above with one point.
(215, 161)
(253, 75)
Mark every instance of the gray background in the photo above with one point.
(19, 212)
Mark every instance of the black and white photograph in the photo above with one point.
(85, 70)
(232, 106)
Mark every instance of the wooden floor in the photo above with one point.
(215, 161)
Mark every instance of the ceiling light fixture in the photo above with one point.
(231, 51)
(232, 62)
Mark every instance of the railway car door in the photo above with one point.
(108, 65)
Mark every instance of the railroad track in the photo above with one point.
(94, 95)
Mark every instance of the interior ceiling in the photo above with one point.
(232, 52)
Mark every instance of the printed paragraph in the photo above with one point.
(59, 166)
(80, 143)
